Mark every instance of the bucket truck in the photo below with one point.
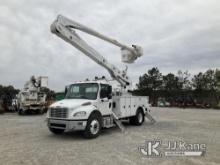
(92, 105)
(32, 98)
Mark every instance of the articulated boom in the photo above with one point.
(64, 28)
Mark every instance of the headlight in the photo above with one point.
(81, 113)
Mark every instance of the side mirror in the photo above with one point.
(109, 96)
(109, 92)
(104, 99)
(106, 93)
(102, 94)
(66, 90)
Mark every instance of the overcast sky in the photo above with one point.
(175, 34)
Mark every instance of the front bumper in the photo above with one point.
(67, 124)
(32, 107)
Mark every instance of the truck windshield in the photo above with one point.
(82, 91)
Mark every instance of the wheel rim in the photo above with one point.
(140, 117)
(94, 127)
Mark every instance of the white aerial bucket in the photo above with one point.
(43, 81)
(128, 56)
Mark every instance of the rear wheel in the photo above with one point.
(20, 112)
(93, 127)
(138, 119)
(56, 131)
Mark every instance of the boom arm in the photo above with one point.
(64, 28)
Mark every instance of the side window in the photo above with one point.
(105, 91)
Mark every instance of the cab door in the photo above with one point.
(105, 100)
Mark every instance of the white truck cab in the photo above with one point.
(91, 105)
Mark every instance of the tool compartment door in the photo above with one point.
(122, 103)
(128, 106)
(125, 106)
(116, 106)
(134, 105)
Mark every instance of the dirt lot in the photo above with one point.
(26, 140)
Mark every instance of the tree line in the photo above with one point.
(7, 93)
(178, 89)
(181, 88)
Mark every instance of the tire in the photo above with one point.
(131, 120)
(93, 127)
(20, 112)
(41, 111)
(56, 131)
(138, 119)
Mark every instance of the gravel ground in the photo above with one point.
(26, 140)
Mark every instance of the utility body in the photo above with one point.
(92, 105)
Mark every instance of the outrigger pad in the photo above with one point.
(118, 122)
(152, 120)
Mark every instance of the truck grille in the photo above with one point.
(59, 112)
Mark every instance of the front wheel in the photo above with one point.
(93, 127)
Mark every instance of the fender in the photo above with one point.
(88, 109)
(143, 108)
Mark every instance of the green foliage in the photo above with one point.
(151, 81)
(210, 80)
(198, 81)
(171, 82)
(203, 87)
(7, 93)
(50, 93)
(60, 96)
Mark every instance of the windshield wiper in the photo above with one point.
(71, 97)
(77, 97)
(83, 97)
